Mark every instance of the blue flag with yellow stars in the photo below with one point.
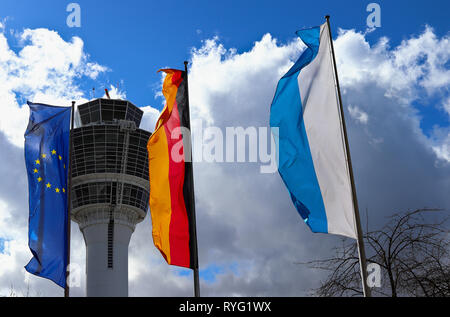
(47, 161)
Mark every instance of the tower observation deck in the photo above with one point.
(110, 189)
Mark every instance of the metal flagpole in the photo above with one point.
(195, 247)
(361, 251)
(69, 203)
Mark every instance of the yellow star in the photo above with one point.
(38, 162)
(39, 179)
(60, 158)
(44, 155)
(35, 170)
(49, 185)
(53, 152)
(64, 190)
(64, 165)
(57, 190)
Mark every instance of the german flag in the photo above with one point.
(171, 179)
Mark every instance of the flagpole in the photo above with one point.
(195, 249)
(360, 240)
(69, 203)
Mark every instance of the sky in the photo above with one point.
(395, 88)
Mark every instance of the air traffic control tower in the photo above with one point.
(110, 189)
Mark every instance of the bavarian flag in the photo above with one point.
(311, 149)
(47, 159)
(170, 174)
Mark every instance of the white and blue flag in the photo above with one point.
(312, 154)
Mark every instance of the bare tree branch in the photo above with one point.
(413, 255)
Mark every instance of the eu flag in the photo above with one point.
(47, 162)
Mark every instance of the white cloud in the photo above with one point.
(441, 143)
(220, 72)
(415, 70)
(149, 118)
(115, 93)
(424, 59)
(358, 114)
(44, 70)
(443, 151)
(417, 62)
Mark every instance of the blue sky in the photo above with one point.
(135, 38)
(396, 98)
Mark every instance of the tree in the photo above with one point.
(413, 255)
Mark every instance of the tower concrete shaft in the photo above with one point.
(110, 189)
